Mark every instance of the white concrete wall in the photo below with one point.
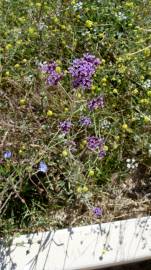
(88, 247)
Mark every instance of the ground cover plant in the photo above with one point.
(75, 112)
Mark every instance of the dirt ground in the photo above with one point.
(146, 265)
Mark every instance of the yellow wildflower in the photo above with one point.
(91, 173)
(66, 109)
(105, 148)
(146, 119)
(129, 4)
(64, 153)
(24, 60)
(144, 101)
(58, 69)
(115, 91)
(85, 189)
(79, 95)
(49, 113)
(38, 5)
(88, 23)
(147, 52)
(125, 127)
(8, 46)
(7, 73)
(17, 66)
(135, 92)
(31, 30)
(22, 101)
(149, 93)
(79, 189)
(19, 42)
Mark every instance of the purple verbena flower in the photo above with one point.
(85, 121)
(65, 126)
(7, 154)
(44, 67)
(53, 76)
(97, 211)
(92, 59)
(96, 103)
(94, 143)
(82, 70)
(102, 154)
(43, 167)
(72, 146)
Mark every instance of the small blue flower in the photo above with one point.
(43, 167)
(7, 154)
(97, 211)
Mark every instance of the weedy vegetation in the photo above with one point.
(75, 112)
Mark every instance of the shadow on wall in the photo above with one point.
(5, 253)
(35, 251)
(86, 247)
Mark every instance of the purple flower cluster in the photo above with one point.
(82, 70)
(53, 76)
(65, 126)
(95, 143)
(91, 59)
(96, 103)
(85, 121)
